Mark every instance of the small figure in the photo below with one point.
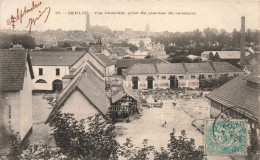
(164, 124)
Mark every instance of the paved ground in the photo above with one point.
(149, 126)
(41, 110)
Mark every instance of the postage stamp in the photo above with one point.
(225, 137)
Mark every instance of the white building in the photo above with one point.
(175, 75)
(16, 74)
(50, 67)
(137, 41)
(84, 96)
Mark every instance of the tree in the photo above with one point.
(224, 79)
(130, 152)
(182, 148)
(15, 147)
(6, 40)
(211, 56)
(148, 56)
(75, 141)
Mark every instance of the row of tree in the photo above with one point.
(131, 47)
(7, 40)
(196, 42)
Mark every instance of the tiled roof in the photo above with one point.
(170, 68)
(199, 68)
(141, 69)
(225, 54)
(181, 68)
(94, 89)
(221, 67)
(158, 53)
(235, 94)
(126, 63)
(106, 61)
(60, 58)
(12, 68)
(123, 92)
(90, 85)
(254, 76)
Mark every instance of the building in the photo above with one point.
(137, 41)
(124, 101)
(87, 22)
(239, 99)
(84, 96)
(16, 74)
(223, 55)
(123, 64)
(101, 63)
(175, 75)
(159, 54)
(141, 53)
(50, 67)
(147, 29)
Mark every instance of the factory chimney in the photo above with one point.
(242, 42)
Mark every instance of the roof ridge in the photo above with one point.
(183, 64)
(211, 64)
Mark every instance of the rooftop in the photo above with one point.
(235, 94)
(221, 67)
(181, 68)
(126, 63)
(123, 92)
(199, 68)
(56, 58)
(90, 85)
(170, 68)
(106, 61)
(226, 54)
(13, 68)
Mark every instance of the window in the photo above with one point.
(209, 76)
(163, 77)
(57, 71)
(40, 81)
(193, 77)
(40, 71)
(181, 77)
(201, 76)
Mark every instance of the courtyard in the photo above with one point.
(146, 125)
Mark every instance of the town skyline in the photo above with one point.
(223, 15)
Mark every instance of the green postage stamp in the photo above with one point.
(225, 137)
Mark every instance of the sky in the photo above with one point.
(214, 14)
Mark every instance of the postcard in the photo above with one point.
(129, 79)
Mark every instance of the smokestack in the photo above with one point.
(242, 42)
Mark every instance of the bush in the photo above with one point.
(75, 141)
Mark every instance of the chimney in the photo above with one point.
(242, 42)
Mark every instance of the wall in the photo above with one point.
(79, 106)
(96, 64)
(79, 62)
(49, 75)
(9, 115)
(26, 104)
(159, 82)
(110, 70)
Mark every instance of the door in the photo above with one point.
(135, 85)
(57, 85)
(173, 82)
(150, 84)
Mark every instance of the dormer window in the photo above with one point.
(253, 85)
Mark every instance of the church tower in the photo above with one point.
(147, 29)
(87, 22)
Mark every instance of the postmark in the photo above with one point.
(226, 137)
